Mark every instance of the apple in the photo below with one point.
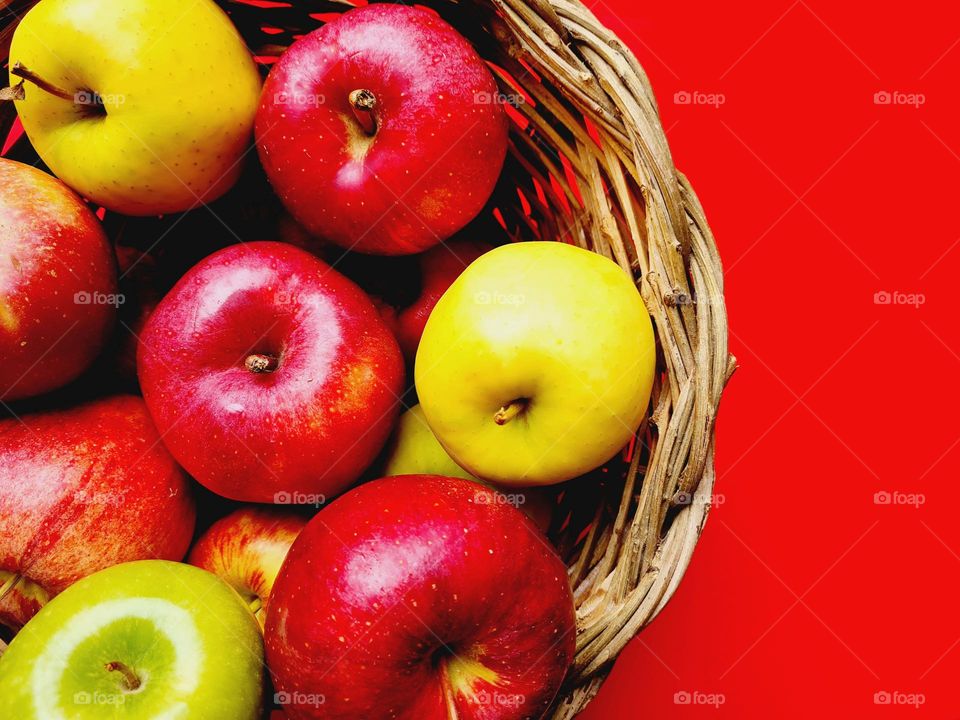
(80, 490)
(145, 107)
(415, 450)
(439, 267)
(246, 548)
(142, 640)
(381, 130)
(419, 597)
(536, 366)
(58, 283)
(271, 376)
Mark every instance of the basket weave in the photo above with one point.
(588, 164)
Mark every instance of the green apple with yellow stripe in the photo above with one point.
(150, 639)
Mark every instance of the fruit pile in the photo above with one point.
(211, 504)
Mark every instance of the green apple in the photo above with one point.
(147, 639)
(414, 450)
(536, 365)
(143, 106)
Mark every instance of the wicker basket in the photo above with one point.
(588, 164)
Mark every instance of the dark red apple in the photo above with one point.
(246, 548)
(58, 283)
(439, 267)
(271, 376)
(381, 130)
(81, 490)
(420, 598)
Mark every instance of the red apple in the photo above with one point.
(81, 490)
(271, 376)
(439, 267)
(247, 548)
(58, 283)
(420, 597)
(381, 130)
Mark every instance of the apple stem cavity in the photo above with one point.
(130, 680)
(260, 363)
(364, 103)
(509, 411)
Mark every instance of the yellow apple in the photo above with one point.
(537, 364)
(143, 106)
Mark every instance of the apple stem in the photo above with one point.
(130, 680)
(22, 71)
(256, 604)
(259, 363)
(364, 102)
(509, 411)
(9, 585)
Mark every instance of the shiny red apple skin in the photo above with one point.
(439, 267)
(392, 580)
(440, 140)
(246, 549)
(53, 256)
(81, 490)
(305, 430)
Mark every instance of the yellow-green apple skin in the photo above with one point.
(551, 332)
(143, 640)
(414, 450)
(179, 92)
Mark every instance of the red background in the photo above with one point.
(805, 597)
